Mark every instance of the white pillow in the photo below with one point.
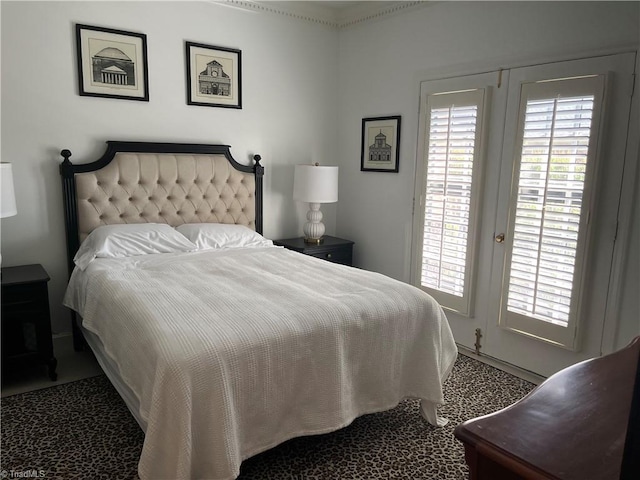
(207, 236)
(128, 240)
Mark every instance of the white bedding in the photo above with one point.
(232, 352)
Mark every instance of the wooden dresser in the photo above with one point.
(573, 426)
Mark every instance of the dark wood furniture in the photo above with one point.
(573, 426)
(26, 322)
(333, 249)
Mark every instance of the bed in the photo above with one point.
(224, 345)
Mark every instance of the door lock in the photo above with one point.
(500, 238)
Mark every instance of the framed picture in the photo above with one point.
(112, 63)
(214, 76)
(380, 144)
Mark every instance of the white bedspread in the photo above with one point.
(233, 352)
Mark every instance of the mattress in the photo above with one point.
(230, 352)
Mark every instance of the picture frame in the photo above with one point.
(112, 63)
(380, 144)
(214, 76)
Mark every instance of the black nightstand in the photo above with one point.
(26, 323)
(333, 249)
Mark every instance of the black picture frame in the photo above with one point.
(112, 63)
(380, 144)
(214, 76)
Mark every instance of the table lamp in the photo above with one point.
(315, 184)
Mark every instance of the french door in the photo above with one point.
(518, 181)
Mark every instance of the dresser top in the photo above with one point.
(572, 426)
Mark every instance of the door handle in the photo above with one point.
(500, 238)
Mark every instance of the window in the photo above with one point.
(452, 151)
(550, 206)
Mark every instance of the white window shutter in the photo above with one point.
(547, 236)
(453, 144)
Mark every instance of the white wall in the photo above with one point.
(306, 89)
(381, 65)
(289, 113)
(629, 312)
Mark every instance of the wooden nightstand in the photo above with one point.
(26, 322)
(333, 249)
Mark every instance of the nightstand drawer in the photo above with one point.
(25, 309)
(24, 297)
(332, 249)
(341, 255)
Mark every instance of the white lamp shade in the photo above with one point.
(7, 193)
(315, 183)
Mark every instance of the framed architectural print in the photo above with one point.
(380, 144)
(112, 63)
(214, 76)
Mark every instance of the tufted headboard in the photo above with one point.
(173, 183)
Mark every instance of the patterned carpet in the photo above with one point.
(83, 430)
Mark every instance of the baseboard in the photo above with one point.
(505, 367)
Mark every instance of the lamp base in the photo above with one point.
(314, 241)
(314, 229)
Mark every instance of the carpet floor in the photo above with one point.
(83, 430)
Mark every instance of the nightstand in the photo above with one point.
(333, 249)
(26, 322)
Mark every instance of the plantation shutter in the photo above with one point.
(453, 153)
(551, 201)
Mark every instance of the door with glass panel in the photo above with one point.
(461, 125)
(519, 194)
